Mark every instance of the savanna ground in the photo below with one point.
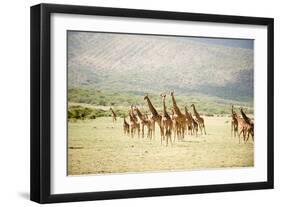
(98, 146)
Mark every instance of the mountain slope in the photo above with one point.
(144, 63)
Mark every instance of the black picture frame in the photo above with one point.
(41, 98)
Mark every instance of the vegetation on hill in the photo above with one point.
(91, 103)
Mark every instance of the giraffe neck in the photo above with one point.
(112, 112)
(192, 119)
(246, 119)
(132, 119)
(176, 108)
(164, 108)
(195, 112)
(139, 114)
(187, 114)
(151, 108)
(125, 122)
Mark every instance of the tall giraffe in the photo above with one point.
(199, 119)
(166, 122)
(189, 121)
(144, 121)
(134, 126)
(114, 116)
(249, 129)
(179, 116)
(234, 122)
(155, 117)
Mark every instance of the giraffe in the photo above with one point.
(179, 116)
(194, 124)
(234, 123)
(134, 126)
(189, 121)
(199, 119)
(114, 116)
(126, 127)
(175, 125)
(155, 117)
(166, 122)
(249, 128)
(243, 127)
(144, 121)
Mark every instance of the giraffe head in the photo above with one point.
(163, 95)
(192, 105)
(135, 108)
(172, 93)
(232, 110)
(145, 97)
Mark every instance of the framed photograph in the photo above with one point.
(132, 103)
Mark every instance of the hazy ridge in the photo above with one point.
(152, 64)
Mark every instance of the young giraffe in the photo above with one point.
(199, 119)
(114, 116)
(189, 121)
(234, 123)
(144, 121)
(166, 122)
(249, 129)
(126, 127)
(180, 117)
(155, 117)
(134, 126)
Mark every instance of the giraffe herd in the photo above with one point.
(179, 124)
(243, 124)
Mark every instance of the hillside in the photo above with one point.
(141, 64)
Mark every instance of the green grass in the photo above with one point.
(99, 146)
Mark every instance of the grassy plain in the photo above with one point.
(98, 146)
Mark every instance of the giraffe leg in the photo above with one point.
(170, 137)
(231, 131)
(175, 132)
(132, 132)
(200, 127)
(138, 128)
(161, 137)
(240, 134)
(162, 131)
(204, 128)
(248, 134)
(153, 129)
